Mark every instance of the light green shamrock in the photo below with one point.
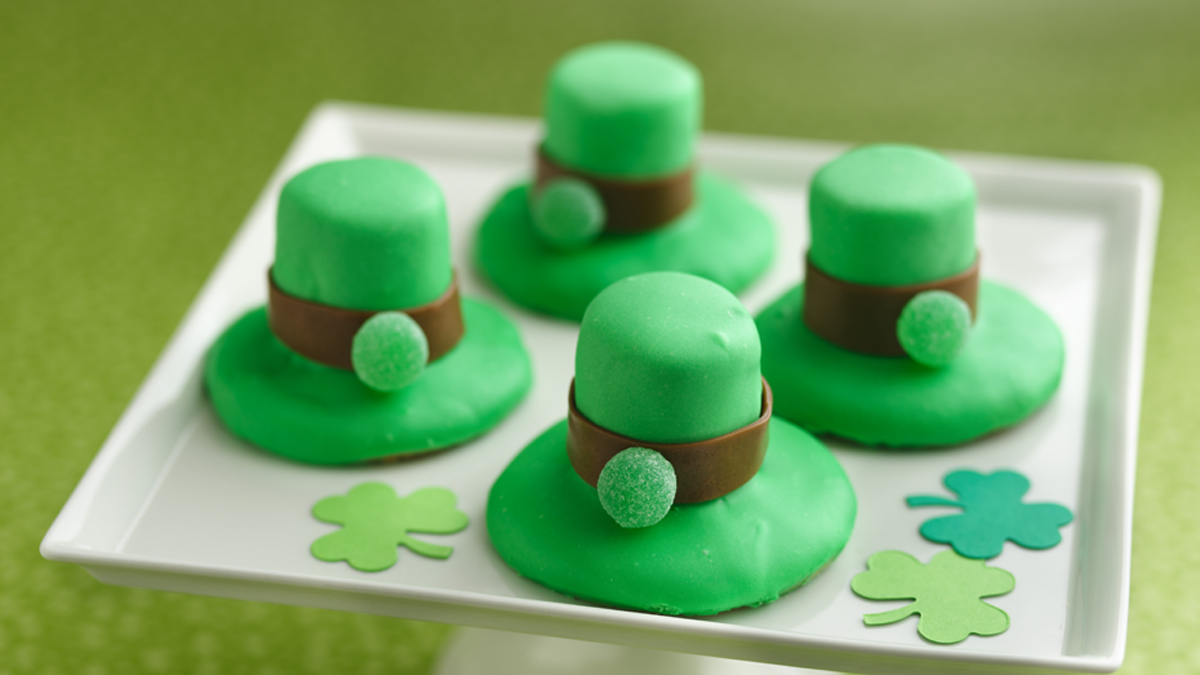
(947, 594)
(375, 522)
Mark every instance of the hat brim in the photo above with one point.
(1010, 367)
(724, 237)
(741, 550)
(277, 400)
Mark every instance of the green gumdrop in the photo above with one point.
(637, 487)
(933, 328)
(389, 351)
(567, 213)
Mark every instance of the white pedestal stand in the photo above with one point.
(475, 651)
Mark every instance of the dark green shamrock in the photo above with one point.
(946, 592)
(992, 513)
(375, 522)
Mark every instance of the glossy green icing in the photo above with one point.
(667, 357)
(741, 550)
(724, 237)
(889, 215)
(266, 394)
(1009, 368)
(366, 233)
(623, 109)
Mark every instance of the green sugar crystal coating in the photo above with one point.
(389, 351)
(741, 550)
(623, 109)
(368, 233)
(637, 487)
(667, 357)
(1010, 367)
(934, 327)
(889, 215)
(724, 237)
(568, 213)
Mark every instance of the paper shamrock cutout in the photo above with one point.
(375, 522)
(992, 512)
(946, 592)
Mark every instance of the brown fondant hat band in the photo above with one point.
(704, 470)
(630, 206)
(863, 318)
(325, 334)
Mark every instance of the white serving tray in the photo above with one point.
(174, 502)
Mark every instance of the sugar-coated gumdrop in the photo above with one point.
(934, 327)
(389, 351)
(637, 487)
(567, 213)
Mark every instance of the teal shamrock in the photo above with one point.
(946, 594)
(992, 513)
(375, 522)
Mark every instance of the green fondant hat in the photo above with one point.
(366, 350)
(893, 339)
(368, 233)
(667, 390)
(616, 191)
(885, 219)
(669, 358)
(623, 109)
(892, 215)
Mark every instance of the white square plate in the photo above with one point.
(174, 502)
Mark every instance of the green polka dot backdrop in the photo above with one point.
(134, 137)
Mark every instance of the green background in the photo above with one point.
(134, 137)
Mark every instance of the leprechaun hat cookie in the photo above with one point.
(617, 191)
(893, 339)
(670, 488)
(365, 349)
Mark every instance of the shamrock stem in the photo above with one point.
(425, 549)
(890, 617)
(929, 500)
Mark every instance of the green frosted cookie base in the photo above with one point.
(724, 237)
(1009, 368)
(266, 394)
(742, 550)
